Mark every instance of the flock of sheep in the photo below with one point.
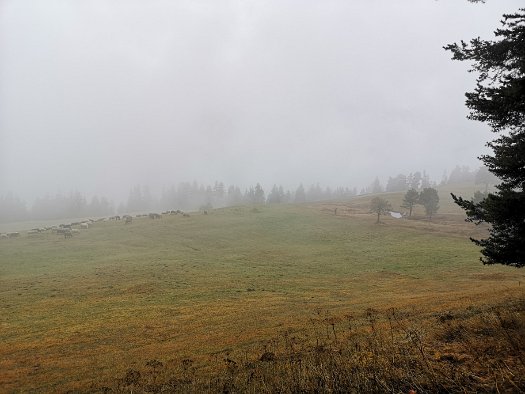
(68, 230)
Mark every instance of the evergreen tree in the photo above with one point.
(376, 187)
(499, 101)
(287, 196)
(430, 200)
(249, 196)
(234, 195)
(461, 175)
(76, 205)
(444, 178)
(218, 192)
(259, 194)
(135, 200)
(275, 196)
(479, 197)
(397, 184)
(300, 195)
(282, 194)
(485, 177)
(425, 180)
(94, 207)
(315, 193)
(106, 207)
(12, 208)
(411, 198)
(208, 197)
(414, 181)
(327, 193)
(183, 195)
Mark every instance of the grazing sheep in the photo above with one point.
(84, 226)
(154, 216)
(128, 219)
(68, 234)
(13, 235)
(186, 215)
(4, 236)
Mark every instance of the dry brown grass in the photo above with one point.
(208, 297)
(474, 348)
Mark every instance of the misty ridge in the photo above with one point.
(192, 196)
(98, 97)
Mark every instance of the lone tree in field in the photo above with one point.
(430, 200)
(499, 101)
(411, 198)
(380, 206)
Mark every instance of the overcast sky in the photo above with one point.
(97, 96)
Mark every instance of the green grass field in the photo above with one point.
(81, 311)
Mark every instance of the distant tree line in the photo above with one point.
(186, 196)
(420, 180)
(463, 174)
(400, 183)
(12, 208)
(191, 196)
(59, 206)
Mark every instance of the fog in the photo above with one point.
(99, 96)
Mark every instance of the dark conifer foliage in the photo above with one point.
(411, 198)
(429, 198)
(499, 101)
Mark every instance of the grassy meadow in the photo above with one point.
(197, 297)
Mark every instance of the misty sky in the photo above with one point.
(97, 96)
